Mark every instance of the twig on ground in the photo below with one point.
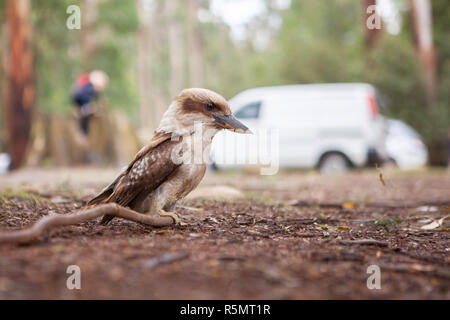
(57, 220)
(165, 258)
(442, 273)
(376, 204)
(365, 242)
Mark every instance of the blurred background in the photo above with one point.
(144, 52)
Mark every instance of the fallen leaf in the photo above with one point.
(348, 205)
(380, 175)
(191, 208)
(58, 200)
(427, 209)
(434, 224)
(207, 219)
(195, 235)
(434, 281)
(382, 180)
(163, 231)
(419, 267)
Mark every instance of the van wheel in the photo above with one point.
(213, 166)
(333, 163)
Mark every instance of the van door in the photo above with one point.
(295, 122)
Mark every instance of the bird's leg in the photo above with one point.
(173, 215)
(162, 202)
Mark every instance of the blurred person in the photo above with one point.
(84, 92)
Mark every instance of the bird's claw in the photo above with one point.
(173, 215)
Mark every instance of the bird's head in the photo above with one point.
(197, 105)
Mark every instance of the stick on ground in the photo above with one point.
(365, 242)
(57, 220)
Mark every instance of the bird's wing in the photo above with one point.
(106, 194)
(146, 174)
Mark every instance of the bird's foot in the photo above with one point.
(173, 215)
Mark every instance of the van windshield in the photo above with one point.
(249, 111)
(382, 100)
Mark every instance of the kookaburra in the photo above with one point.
(164, 171)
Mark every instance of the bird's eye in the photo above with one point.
(210, 106)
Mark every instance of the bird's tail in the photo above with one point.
(106, 219)
(104, 197)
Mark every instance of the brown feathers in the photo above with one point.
(106, 192)
(143, 175)
(203, 101)
(146, 173)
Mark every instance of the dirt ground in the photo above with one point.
(296, 235)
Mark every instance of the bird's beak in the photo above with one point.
(229, 122)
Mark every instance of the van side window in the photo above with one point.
(249, 111)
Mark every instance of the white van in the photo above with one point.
(404, 146)
(328, 126)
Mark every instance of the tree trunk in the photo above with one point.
(195, 47)
(89, 15)
(152, 102)
(423, 36)
(18, 82)
(176, 46)
(371, 34)
(147, 114)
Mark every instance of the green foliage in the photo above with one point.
(10, 196)
(59, 58)
(57, 55)
(321, 49)
(388, 224)
(116, 53)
